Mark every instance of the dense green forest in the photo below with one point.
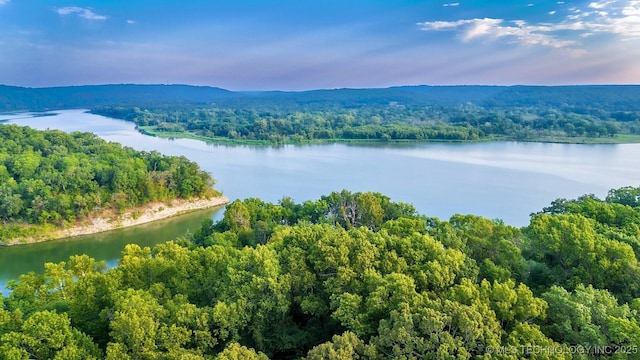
(457, 113)
(602, 113)
(51, 179)
(380, 123)
(348, 276)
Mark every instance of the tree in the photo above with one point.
(627, 195)
(342, 347)
(371, 214)
(575, 253)
(589, 317)
(491, 244)
(236, 351)
(134, 324)
(528, 341)
(237, 217)
(47, 335)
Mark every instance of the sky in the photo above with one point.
(318, 44)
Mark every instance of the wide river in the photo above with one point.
(505, 180)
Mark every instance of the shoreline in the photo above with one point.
(619, 139)
(132, 217)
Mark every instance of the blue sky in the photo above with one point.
(311, 44)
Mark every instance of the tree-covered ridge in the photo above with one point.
(51, 178)
(13, 98)
(606, 97)
(351, 275)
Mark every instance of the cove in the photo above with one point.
(107, 246)
(504, 180)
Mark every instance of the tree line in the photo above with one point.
(51, 178)
(350, 275)
(403, 113)
(295, 123)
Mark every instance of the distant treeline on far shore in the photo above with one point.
(603, 113)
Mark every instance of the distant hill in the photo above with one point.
(18, 98)
(605, 97)
(357, 98)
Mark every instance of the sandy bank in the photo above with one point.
(142, 215)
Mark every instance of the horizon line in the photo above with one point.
(321, 89)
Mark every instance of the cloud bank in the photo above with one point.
(620, 18)
(496, 28)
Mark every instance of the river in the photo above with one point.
(505, 180)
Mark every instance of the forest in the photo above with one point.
(573, 114)
(51, 179)
(348, 276)
(382, 124)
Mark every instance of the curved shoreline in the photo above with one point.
(133, 217)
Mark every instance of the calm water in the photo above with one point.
(506, 180)
(16, 260)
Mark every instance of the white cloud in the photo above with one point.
(85, 13)
(131, 21)
(495, 28)
(3, 2)
(632, 8)
(443, 25)
(452, 4)
(602, 5)
(622, 18)
(623, 21)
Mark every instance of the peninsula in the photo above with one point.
(55, 185)
(108, 221)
